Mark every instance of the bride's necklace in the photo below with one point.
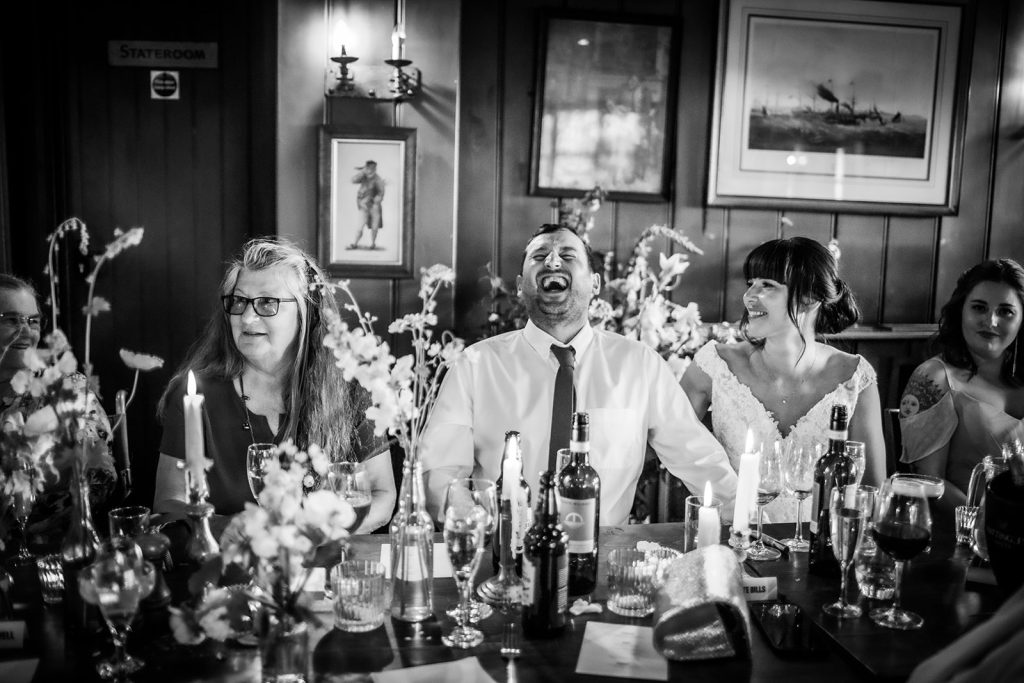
(776, 385)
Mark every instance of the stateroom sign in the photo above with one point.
(162, 54)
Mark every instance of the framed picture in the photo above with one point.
(604, 107)
(840, 105)
(367, 190)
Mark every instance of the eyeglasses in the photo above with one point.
(14, 321)
(265, 306)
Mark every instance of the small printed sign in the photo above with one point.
(164, 85)
(165, 55)
(759, 589)
(12, 635)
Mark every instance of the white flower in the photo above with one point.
(123, 240)
(96, 306)
(183, 631)
(141, 361)
(674, 265)
(215, 623)
(42, 421)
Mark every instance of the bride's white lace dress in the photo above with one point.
(734, 410)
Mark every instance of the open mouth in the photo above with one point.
(555, 282)
(753, 315)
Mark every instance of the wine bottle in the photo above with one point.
(834, 469)
(519, 518)
(579, 505)
(545, 567)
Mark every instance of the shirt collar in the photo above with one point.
(541, 341)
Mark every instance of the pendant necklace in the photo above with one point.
(247, 425)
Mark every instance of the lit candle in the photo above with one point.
(511, 472)
(746, 489)
(708, 524)
(398, 42)
(195, 449)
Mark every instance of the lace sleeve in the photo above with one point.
(708, 360)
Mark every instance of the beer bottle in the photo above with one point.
(519, 518)
(545, 567)
(834, 469)
(579, 505)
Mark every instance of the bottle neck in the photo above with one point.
(550, 506)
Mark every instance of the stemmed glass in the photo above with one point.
(350, 482)
(116, 582)
(22, 501)
(798, 473)
(855, 452)
(849, 511)
(485, 493)
(903, 530)
(768, 489)
(256, 457)
(469, 511)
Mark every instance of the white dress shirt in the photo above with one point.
(507, 383)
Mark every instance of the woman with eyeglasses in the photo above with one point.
(266, 377)
(21, 328)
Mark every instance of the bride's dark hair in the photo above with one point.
(811, 273)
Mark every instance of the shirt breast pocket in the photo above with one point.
(617, 441)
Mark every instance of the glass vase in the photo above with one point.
(80, 544)
(412, 548)
(284, 648)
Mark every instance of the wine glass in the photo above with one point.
(484, 494)
(23, 499)
(855, 452)
(769, 487)
(798, 474)
(116, 582)
(849, 511)
(350, 482)
(903, 529)
(466, 524)
(256, 457)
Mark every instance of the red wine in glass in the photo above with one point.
(900, 541)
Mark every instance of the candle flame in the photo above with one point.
(707, 493)
(191, 384)
(750, 442)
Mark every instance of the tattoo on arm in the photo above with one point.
(921, 393)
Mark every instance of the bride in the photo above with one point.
(782, 382)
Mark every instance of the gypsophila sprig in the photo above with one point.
(402, 390)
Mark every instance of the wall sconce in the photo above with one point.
(396, 81)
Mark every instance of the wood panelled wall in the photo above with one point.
(901, 268)
(85, 139)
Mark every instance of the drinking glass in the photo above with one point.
(351, 483)
(22, 501)
(485, 493)
(798, 474)
(903, 530)
(131, 521)
(469, 512)
(116, 582)
(849, 509)
(256, 458)
(769, 487)
(855, 452)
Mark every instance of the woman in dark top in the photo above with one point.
(266, 377)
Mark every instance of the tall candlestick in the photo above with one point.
(708, 522)
(195, 448)
(746, 489)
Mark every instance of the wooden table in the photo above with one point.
(857, 648)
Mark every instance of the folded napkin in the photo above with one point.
(467, 670)
(989, 653)
(620, 650)
(700, 611)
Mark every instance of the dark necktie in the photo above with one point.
(563, 403)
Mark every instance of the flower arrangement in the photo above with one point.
(639, 306)
(55, 421)
(268, 553)
(402, 390)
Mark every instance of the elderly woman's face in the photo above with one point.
(269, 343)
(16, 335)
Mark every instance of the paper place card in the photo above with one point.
(18, 670)
(442, 566)
(760, 588)
(467, 670)
(12, 635)
(622, 651)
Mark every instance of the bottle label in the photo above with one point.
(579, 446)
(577, 517)
(529, 578)
(562, 596)
(815, 497)
(836, 434)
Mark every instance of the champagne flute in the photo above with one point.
(903, 530)
(798, 473)
(465, 528)
(855, 452)
(768, 489)
(483, 492)
(23, 499)
(256, 457)
(117, 581)
(849, 511)
(350, 482)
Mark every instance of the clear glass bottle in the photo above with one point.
(412, 548)
(80, 544)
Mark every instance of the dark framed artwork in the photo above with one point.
(604, 107)
(367, 192)
(840, 105)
